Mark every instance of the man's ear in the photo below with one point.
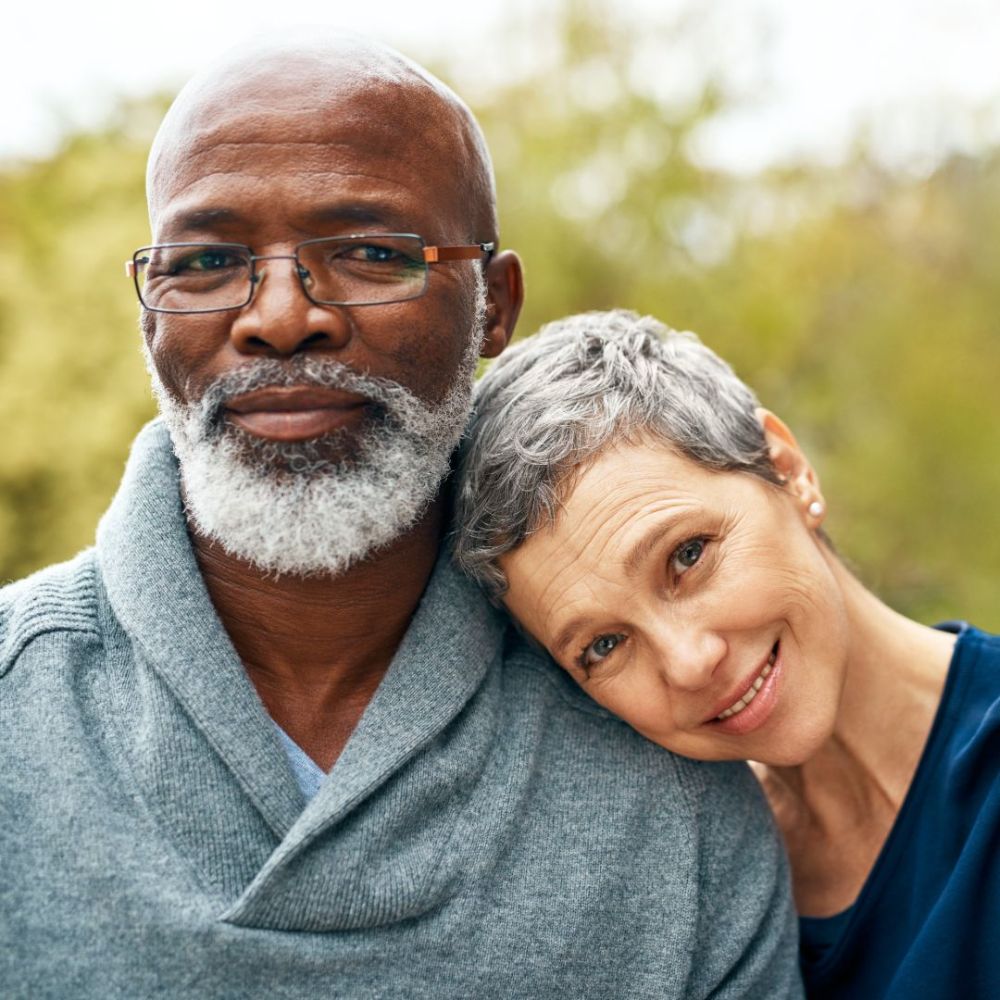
(504, 296)
(788, 459)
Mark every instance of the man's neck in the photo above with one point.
(316, 648)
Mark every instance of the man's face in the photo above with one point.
(273, 178)
(270, 176)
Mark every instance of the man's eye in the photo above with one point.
(686, 555)
(373, 254)
(600, 649)
(207, 260)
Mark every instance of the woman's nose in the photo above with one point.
(689, 657)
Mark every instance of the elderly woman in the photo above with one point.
(626, 499)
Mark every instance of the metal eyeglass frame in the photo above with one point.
(432, 255)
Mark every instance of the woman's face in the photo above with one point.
(699, 606)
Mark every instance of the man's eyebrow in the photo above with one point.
(207, 219)
(363, 214)
(201, 218)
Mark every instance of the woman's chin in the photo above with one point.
(791, 750)
(794, 750)
(789, 758)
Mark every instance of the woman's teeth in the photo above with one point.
(738, 706)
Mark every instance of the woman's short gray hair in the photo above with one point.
(555, 401)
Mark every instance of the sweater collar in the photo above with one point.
(158, 595)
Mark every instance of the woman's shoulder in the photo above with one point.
(922, 914)
(974, 641)
(973, 681)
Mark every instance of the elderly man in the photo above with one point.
(262, 740)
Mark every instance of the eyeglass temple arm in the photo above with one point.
(437, 255)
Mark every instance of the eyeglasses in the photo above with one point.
(357, 270)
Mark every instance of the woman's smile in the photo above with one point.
(754, 707)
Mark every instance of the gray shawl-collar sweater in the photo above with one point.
(487, 831)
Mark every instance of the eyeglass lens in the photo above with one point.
(355, 270)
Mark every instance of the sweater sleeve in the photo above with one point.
(747, 939)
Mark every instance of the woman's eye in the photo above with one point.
(686, 555)
(600, 649)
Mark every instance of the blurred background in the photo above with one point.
(812, 187)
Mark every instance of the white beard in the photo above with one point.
(315, 507)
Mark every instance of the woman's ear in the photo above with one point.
(791, 464)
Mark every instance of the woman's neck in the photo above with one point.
(837, 808)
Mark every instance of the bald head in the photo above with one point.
(311, 93)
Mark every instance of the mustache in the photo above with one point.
(384, 395)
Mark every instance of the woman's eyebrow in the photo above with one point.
(567, 633)
(640, 551)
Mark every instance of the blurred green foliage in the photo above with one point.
(861, 305)
(72, 386)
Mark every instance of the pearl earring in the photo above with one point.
(815, 509)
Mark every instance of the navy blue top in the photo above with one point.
(927, 921)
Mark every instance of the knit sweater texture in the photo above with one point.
(486, 832)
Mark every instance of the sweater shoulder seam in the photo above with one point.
(60, 598)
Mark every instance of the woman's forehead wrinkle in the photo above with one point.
(580, 554)
(605, 517)
(566, 592)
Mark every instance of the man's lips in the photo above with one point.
(295, 413)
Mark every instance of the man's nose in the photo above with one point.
(281, 319)
(689, 655)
